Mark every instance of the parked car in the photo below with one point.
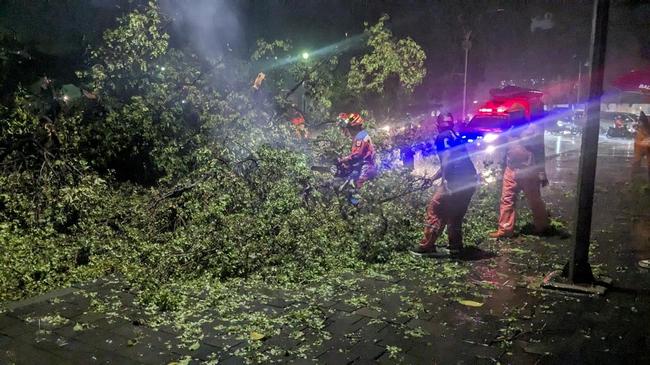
(612, 124)
(563, 121)
(622, 127)
(618, 125)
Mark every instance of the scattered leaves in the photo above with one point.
(470, 303)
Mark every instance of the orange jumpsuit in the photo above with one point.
(451, 199)
(299, 126)
(363, 155)
(524, 164)
(641, 148)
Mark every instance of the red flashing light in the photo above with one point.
(512, 99)
(493, 110)
(503, 107)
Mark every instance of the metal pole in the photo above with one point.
(579, 268)
(465, 86)
(579, 83)
(467, 44)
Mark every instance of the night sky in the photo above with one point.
(509, 43)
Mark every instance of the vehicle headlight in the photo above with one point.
(490, 137)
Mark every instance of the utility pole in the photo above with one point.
(579, 269)
(579, 83)
(467, 44)
(579, 86)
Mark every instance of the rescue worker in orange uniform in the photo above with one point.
(524, 171)
(298, 122)
(361, 160)
(642, 143)
(451, 199)
(257, 84)
(642, 148)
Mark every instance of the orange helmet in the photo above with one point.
(351, 119)
(298, 120)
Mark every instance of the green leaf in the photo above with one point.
(195, 346)
(470, 303)
(184, 361)
(256, 336)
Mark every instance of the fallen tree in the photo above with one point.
(170, 167)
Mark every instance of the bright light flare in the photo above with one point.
(305, 55)
(488, 177)
(490, 149)
(490, 137)
(353, 41)
(386, 129)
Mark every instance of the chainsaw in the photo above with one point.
(347, 173)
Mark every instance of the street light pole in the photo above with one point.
(579, 268)
(579, 83)
(467, 44)
(579, 86)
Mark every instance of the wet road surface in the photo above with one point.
(483, 311)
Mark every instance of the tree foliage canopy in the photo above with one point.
(388, 57)
(172, 172)
(171, 167)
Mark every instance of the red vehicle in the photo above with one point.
(508, 107)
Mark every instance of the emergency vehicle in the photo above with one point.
(508, 107)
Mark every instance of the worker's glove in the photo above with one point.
(543, 180)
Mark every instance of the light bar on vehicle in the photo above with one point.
(500, 110)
